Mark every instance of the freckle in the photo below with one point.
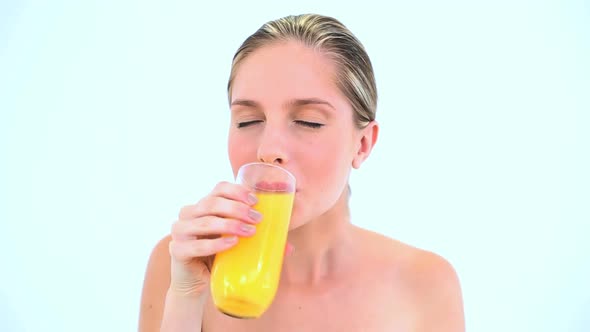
(299, 307)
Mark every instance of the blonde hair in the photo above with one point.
(354, 77)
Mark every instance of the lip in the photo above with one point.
(276, 186)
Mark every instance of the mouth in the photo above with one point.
(275, 186)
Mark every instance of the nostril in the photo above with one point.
(276, 161)
(272, 158)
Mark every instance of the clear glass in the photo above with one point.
(245, 278)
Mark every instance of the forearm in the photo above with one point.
(182, 313)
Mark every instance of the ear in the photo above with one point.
(366, 142)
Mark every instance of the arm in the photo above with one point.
(162, 310)
(182, 313)
(178, 272)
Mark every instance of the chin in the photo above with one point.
(302, 213)
(294, 225)
(294, 222)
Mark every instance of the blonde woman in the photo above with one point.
(302, 95)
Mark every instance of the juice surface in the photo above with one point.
(244, 279)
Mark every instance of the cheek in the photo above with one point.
(327, 167)
(324, 177)
(238, 152)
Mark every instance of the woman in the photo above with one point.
(302, 95)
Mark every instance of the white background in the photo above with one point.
(113, 115)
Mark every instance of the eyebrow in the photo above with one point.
(309, 101)
(244, 102)
(291, 103)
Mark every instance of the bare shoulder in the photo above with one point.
(155, 287)
(421, 265)
(429, 281)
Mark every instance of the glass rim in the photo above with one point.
(258, 163)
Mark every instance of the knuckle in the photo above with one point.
(242, 209)
(185, 211)
(231, 225)
(218, 206)
(178, 229)
(174, 229)
(214, 225)
(208, 204)
(221, 186)
(205, 223)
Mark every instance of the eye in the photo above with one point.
(248, 123)
(314, 125)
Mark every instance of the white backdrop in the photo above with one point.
(113, 115)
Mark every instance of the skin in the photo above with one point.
(338, 277)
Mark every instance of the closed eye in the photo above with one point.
(314, 125)
(248, 123)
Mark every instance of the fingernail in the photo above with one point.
(247, 228)
(254, 215)
(230, 239)
(252, 199)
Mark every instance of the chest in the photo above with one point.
(370, 306)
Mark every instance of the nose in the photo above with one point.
(271, 148)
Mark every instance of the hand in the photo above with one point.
(197, 235)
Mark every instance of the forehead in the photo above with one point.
(283, 71)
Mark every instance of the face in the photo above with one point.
(287, 110)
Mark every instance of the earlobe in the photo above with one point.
(368, 140)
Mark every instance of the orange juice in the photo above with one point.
(245, 278)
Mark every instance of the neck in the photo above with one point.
(321, 246)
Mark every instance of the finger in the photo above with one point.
(221, 207)
(186, 250)
(236, 192)
(210, 225)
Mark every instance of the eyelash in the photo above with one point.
(312, 125)
(247, 123)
